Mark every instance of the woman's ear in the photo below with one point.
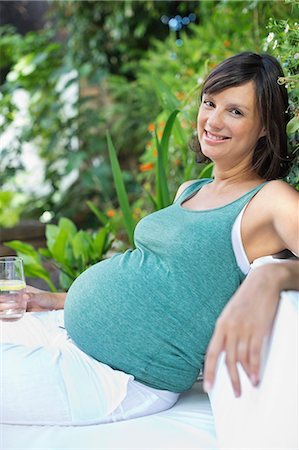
(263, 132)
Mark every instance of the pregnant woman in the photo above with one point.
(134, 331)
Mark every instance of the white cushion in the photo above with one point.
(264, 417)
(187, 425)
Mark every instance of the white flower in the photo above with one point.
(296, 56)
(286, 28)
(270, 37)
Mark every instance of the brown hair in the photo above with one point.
(270, 158)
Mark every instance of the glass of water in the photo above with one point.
(12, 287)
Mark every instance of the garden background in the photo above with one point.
(98, 103)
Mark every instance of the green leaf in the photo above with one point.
(65, 280)
(10, 210)
(32, 262)
(21, 247)
(82, 247)
(99, 242)
(207, 171)
(167, 98)
(102, 218)
(293, 125)
(68, 226)
(152, 200)
(52, 232)
(163, 198)
(166, 136)
(121, 190)
(44, 252)
(59, 240)
(59, 248)
(162, 191)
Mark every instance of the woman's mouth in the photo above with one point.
(215, 137)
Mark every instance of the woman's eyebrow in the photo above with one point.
(230, 105)
(238, 106)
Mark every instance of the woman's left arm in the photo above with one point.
(283, 210)
(248, 317)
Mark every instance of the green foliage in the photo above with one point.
(70, 250)
(32, 261)
(115, 66)
(111, 36)
(282, 42)
(59, 123)
(121, 191)
(11, 207)
(162, 192)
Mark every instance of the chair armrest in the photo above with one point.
(264, 417)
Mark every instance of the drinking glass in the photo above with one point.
(12, 287)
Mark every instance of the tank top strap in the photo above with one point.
(241, 202)
(192, 188)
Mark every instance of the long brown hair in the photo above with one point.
(270, 157)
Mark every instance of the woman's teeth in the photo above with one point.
(215, 138)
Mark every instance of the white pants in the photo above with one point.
(45, 379)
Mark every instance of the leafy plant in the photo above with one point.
(69, 250)
(161, 198)
(11, 207)
(282, 41)
(162, 169)
(125, 70)
(121, 191)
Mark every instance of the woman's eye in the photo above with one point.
(208, 103)
(236, 112)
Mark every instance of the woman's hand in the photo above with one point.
(246, 320)
(39, 300)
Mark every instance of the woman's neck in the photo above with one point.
(226, 179)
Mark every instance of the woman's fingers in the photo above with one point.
(255, 351)
(243, 355)
(231, 359)
(215, 348)
(241, 344)
(39, 301)
(241, 328)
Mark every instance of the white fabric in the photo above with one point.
(264, 417)
(237, 244)
(46, 379)
(188, 425)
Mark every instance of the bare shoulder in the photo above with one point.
(278, 194)
(271, 223)
(281, 206)
(182, 187)
(276, 202)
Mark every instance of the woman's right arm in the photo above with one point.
(38, 300)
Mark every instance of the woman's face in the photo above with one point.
(229, 125)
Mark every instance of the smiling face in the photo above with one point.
(229, 125)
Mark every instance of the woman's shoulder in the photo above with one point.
(183, 187)
(276, 198)
(277, 190)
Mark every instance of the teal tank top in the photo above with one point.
(151, 311)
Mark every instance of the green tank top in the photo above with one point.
(151, 311)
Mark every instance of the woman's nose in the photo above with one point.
(215, 120)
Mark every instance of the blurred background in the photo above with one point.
(73, 70)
